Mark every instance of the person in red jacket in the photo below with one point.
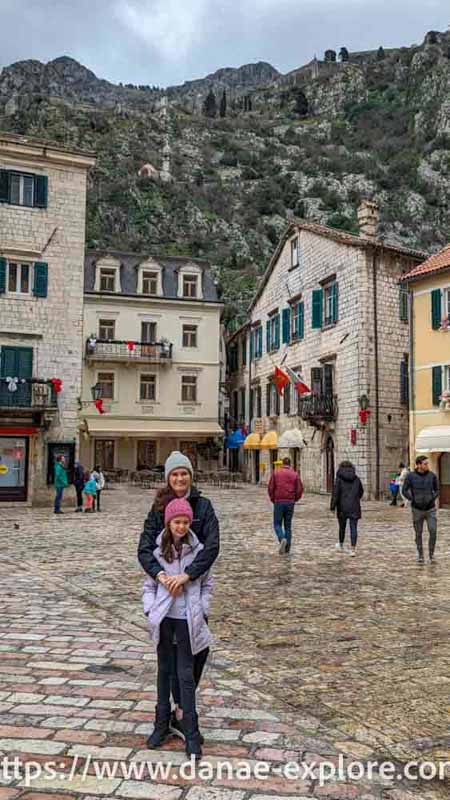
(285, 489)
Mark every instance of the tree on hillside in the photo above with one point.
(223, 105)
(210, 105)
(330, 56)
(380, 53)
(343, 54)
(301, 104)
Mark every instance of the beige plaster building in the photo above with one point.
(42, 245)
(152, 348)
(329, 307)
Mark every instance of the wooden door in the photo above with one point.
(329, 451)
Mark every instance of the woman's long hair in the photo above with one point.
(167, 544)
(162, 498)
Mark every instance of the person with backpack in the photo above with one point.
(421, 488)
(285, 490)
(346, 501)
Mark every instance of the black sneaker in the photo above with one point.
(176, 727)
(161, 730)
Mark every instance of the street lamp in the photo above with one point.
(96, 391)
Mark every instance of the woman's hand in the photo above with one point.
(175, 583)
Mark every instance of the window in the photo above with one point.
(436, 309)
(446, 313)
(294, 252)
(287, 399)
(19, 278)
(275, 400)
(404, 387)
(244, 351)
(446, 386)
(146, 454)
(316, 380)
(268, 398)
(149, 283)
(104, 453)
(273, 333)
(330, 303)
(188, 389)
(322, 380)
(148, 332)
(21, 189)
(106, 329)
(256, 343)
(403, 304)
(297, 320)
(436, 385)
(259, 401)
(107, 280)
(190, 285)
(242, 402)
(189, 335)
(106, 381)
(148, 387)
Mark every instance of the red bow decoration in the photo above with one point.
(57, 384)
(131, 345)
(99, 406)
(364, 414)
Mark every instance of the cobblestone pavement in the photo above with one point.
(317, 655)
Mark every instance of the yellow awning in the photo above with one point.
(116, 427)
(269, 441)
(252, 442)
(292, 438)
(434, 440)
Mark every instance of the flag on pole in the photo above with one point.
(300, 384)
(280, 380)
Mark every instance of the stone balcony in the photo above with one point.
(128, 352)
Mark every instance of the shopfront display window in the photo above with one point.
(13, 468)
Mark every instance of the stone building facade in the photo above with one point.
(42, 244)
(329, 306)
(152, 339)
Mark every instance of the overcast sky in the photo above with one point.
(165, 42)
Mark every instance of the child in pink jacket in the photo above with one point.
(180, 619)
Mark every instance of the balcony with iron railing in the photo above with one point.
(29, 394)
(128, 351)
(318, 407)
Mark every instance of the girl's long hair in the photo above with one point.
(167, 544)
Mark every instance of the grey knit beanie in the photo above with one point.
(177, 460)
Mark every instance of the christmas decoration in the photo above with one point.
(364, 414)
(131, 346)
(57, 384)
(12, 384)
(99, 406)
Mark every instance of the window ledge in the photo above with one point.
(294, 266)
(22, 297)
(189, 403)
(329, 325)
(147, 402)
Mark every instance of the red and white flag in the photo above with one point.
(280, 380)
(300, 384)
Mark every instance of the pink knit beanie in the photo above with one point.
(178, 508)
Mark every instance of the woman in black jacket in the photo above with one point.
(179, 476)
(346, 501)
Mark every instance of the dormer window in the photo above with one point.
(107, 280)
(190, 284)
(149, 282)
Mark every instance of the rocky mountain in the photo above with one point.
(245, 148)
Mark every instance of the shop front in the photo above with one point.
(14, 467)
(434, 442)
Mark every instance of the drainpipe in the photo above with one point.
(377, 376)
(249, 362)
(412, 381)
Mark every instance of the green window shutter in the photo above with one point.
(276, 337)
(437, 385)
(268, 393)
(17, 362)
(40, 191)
(404, 381)
(286, 325)
(4, 186)
(260, 341)
(252, 345)
(2, 275)
(268, 337)
(244, 351)
(436, 310)
(40, 286)
(335, 301)
(317, 308)
(301, 320)
(403, 304)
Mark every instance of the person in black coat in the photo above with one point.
(179, 476)
(346, 501)
(78, 482)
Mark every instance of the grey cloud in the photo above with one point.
(168, 41)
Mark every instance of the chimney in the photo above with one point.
(368, 219)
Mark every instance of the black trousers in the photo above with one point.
(200, 660)
(175, 659)
(79, 491)
(342, 518)
(97, 500)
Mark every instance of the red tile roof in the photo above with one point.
(440, 261)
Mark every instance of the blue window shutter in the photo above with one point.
(40, 191)
(260, 341)
(286, 325)
(301, 320)
(276, 337)
(317, 308)
(268, 337)
(403, 304)
(436, 310)
(335, 295)
(436, 385)
(2, 275)
(40, 286)
(4, 186)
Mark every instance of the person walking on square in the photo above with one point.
(179, 475)
(79, 482)
(99, 478)
(61, 482)
(285, 490)
(421, 488)
(177, 624)
(346, 501)
(90, 491)
(403, 474)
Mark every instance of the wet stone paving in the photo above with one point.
(317, 657)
